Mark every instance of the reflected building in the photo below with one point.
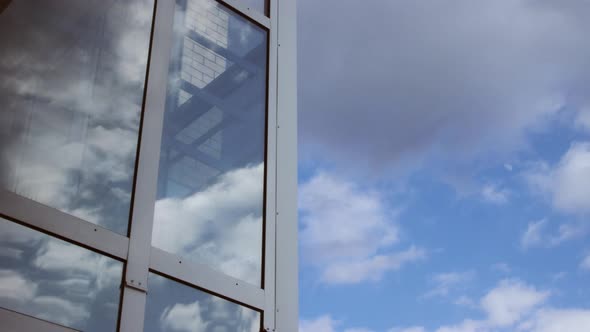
(142, 167)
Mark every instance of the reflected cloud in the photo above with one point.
(72, 102)
(220, 225)
(15, 288)
(173, 307)
(58, 281)
(183, 317)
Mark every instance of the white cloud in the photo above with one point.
(220, 225)
(358, 329)
(583, 118)
(465, 301)
(57, 256)
(369, 269)
(558, 320)
(348, 232)
(445, 282)
(510, 301)
(321, 324)
(536, 235)
(183, 318)
(15, 288)
(567, 184)
(493, 194)
(408, 329)
(585, 264)
(60, 310)
(467, 325)
(532, 235)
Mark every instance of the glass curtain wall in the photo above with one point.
(73, 85)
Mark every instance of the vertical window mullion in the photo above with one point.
(136, 273)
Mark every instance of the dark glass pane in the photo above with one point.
(71, 84)
(57, 281)
(172, 306)
(211, 176)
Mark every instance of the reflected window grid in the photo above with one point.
(211, 173)
(56, 281)
(234, 126)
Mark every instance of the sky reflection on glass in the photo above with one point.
(211, 175)
(173, 307)
(71, 94)
(56, 281)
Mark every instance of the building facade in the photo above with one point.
(148, 165)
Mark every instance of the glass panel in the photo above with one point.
(72, 76)
(211, 176)
(172, 306)
(57, 281)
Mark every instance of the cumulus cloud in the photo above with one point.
(183, 318)
(321, 324)
(567, 184)
(510, 301)
(408, 329)
(511, 305)
(220, 225)
(60, 310)
(370, 268)
(445, 282)
(467, 79)
(348, 232)
(536, 234)
(493, 194)
(16, 288)
(558, 320)
(585, 264)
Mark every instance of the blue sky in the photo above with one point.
(444, 166)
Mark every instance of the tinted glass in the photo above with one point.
(57, 281)
(71, 83)
(211, 175)
(175, 307)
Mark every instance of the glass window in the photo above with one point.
(57, 281)
(72, 77)
(172, 306)
(211, 175)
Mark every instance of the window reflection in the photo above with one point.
(211, 175)
(173, 307)
(71, 82)
(56, 281)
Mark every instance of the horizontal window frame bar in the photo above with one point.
(62, 225)
(204, 278)
(249, 13)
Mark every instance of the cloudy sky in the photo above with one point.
(444, 166)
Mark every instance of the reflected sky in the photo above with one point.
(173, 307)
(71, 93)
(211, 174)
(56, 281)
